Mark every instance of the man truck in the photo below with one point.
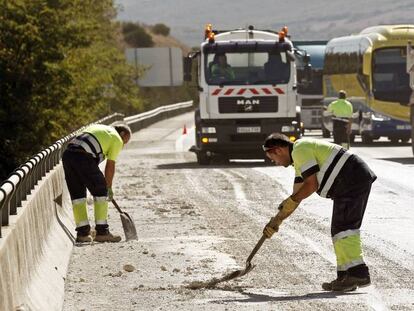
(247, 87)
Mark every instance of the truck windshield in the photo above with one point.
(247, 68)
(390, 79)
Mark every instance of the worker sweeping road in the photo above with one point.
(80, 162)
(335, 173)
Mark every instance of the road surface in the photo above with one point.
(197, 223)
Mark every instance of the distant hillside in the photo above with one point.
(306, 19)
(167, 41)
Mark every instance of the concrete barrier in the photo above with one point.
(35, 248)
(37, 238)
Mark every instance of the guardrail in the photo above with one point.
(22, 181)
(142, 120)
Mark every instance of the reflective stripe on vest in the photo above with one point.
(330, 170)
(346, 120)
(90, 144)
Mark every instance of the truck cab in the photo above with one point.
(247, 90)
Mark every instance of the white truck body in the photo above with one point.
(251, 96)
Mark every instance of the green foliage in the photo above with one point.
(136, 36)
(161, 29)
(60, 68)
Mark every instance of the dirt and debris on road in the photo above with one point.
(198, 223)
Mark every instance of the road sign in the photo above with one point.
(163, 66)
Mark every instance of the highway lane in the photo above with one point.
(196, 223)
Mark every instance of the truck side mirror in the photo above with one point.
(188, 65)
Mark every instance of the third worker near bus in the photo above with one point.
(341, 110)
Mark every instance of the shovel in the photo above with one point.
(236, 274)
(127, 224)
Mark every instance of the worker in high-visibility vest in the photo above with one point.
(341, 110)
(332, 172)
(80, 162)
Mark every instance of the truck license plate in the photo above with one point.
(248, 129)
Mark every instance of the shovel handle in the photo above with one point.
(116, 206)
(255, 249)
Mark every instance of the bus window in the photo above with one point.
(390, 79)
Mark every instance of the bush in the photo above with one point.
(136, 36)
(161, 29)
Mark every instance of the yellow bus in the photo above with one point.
(371, 67)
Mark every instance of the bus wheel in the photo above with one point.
(203, 159)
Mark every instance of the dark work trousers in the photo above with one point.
(350, 198)
(340, 132)
(82, 172)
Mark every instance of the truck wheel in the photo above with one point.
(203, 159)
(325, 133)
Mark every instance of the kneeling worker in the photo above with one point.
(81, 165)
(334, 173)
(341, 110)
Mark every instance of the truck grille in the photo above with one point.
(248, 137)
(248, 105)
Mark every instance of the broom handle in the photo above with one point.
(116, 206)
(256, 248)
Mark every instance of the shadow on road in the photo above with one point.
(406, 161)
(379, 144)
(195, 165)
(256, 298)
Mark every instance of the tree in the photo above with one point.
(136, 36)
(60, 68)
(161, 29)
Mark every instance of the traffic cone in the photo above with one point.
(184, 130)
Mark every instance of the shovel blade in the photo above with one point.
(129, 227)
(231, 276)
(237, 273)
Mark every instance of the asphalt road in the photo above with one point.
(197, 223)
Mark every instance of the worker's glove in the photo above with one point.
(110, 194)
(272, 227)
(286, 208)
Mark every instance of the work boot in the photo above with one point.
(83, 234)
(107, 237)
(350, 283)
(83, 238)
(328, 285)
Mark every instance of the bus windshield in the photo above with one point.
(390, 79)
(247, 68)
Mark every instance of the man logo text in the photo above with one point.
(248, 102)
